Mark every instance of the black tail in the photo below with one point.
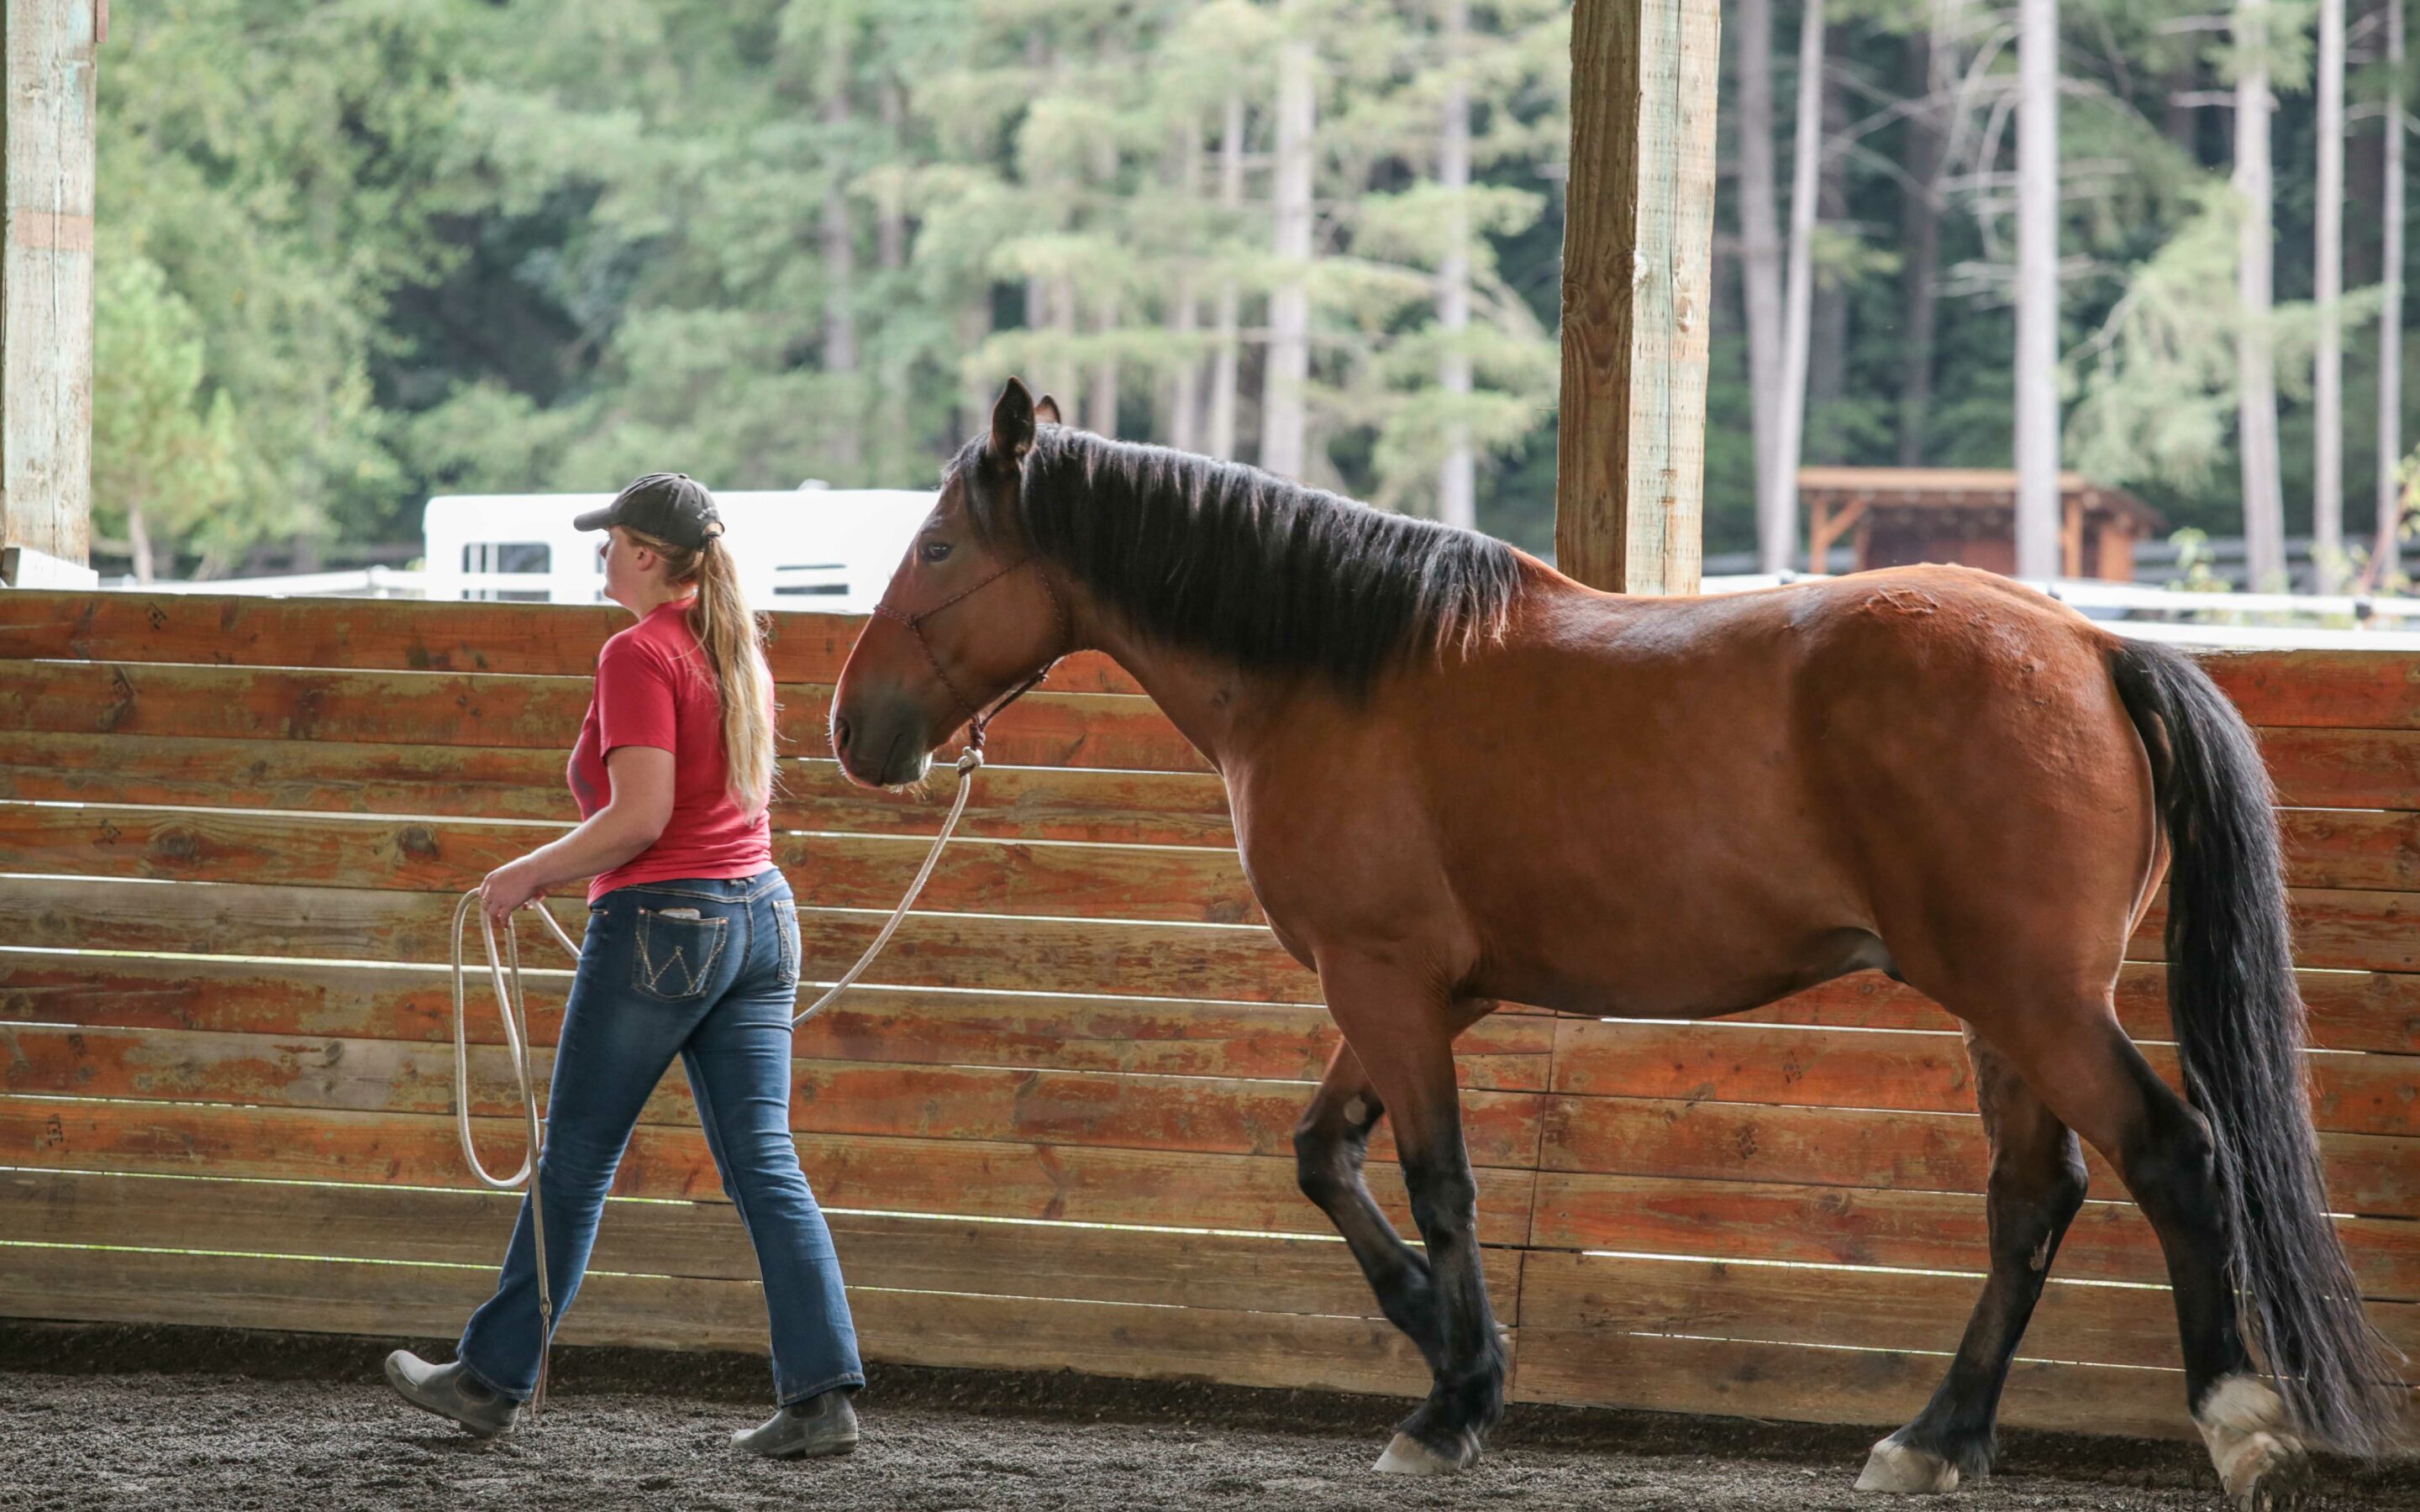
(2238, 1019)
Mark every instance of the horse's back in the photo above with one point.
(1782, 777)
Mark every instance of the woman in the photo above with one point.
(692, 949)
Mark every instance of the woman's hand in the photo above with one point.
(513, 884)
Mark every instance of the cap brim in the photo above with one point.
(596, 519)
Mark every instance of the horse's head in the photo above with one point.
(970, 615)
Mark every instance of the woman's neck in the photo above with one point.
(656, 597)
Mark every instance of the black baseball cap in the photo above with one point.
(671, 506)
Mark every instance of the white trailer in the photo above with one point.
(811, 548)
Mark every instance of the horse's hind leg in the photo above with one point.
(2090, 1077)
(2037, 1185)
(1329, 1144)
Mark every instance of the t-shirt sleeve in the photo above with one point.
(635, 699)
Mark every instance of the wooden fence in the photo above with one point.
(1057, 1132)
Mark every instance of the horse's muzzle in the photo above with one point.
(881, 743)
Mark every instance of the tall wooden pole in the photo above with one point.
(46, 136)
(1638, 266)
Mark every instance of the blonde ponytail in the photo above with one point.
(735, 653)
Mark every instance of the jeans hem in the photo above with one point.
(518, 1399)
(846, 1378)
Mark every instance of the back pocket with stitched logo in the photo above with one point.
(786, 930)
(675, 954)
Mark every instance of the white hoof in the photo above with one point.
(1407, 1456)
(1907, 1472)
(2257, 1457)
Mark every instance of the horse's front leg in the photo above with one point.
(1329, 1142)
(1401, 1030)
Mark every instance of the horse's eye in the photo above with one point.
(935, 550)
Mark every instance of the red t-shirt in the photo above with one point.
(656, 687)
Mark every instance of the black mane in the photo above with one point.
(1229, 560)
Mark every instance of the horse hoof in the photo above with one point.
(1907, 1471)
(2260, 1464)
(2264, 1473)
(1407, 1456)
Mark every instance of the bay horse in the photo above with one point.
(1459, 777)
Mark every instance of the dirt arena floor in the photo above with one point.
(225, 1420)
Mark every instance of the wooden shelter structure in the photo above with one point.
(1900, 515)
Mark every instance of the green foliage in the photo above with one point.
(163, 455)
(355, 251)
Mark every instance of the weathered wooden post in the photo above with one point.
(1637, 253)
(47, 137)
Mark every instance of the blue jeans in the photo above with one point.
(707, 969)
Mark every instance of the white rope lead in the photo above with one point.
(514, 1008)
(967, 765)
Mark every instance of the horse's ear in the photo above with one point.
(1045, 411)
(1012, 423)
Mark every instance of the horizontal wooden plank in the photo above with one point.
(963, 1177)
(2372, 1174)
(1093, 730)
(2324, 768)
(1771, 1304)
(2326, 689)
(1268, 1042)
(1191, 883)
(1224, 1116)
(1876, 1388)
(657, 1312)
(396, 634)
(1236, 963)
(489, 782)
(2334, 929)
(2109, 1240)
(2347, 1009)
(1926, 1072)
(2350, 848)
(705, 1240)
(1070, 803)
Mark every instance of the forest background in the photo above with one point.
(355, 252)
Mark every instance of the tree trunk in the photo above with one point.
(1284, 414)
(975, 392)
(1184, 309)
(138, 537)
(2264, 504)
(890, 252)
(1064, 320)
(1806, 155)
(2038, 524)
(1760, 218)
(840, 255)
(1827, 366)
(2384, 565)
(1920, 236)
(2181, 122)
(1223, 380)
(2327, 366)
(1101, 407)
(1458, 477)
(1037, 318)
